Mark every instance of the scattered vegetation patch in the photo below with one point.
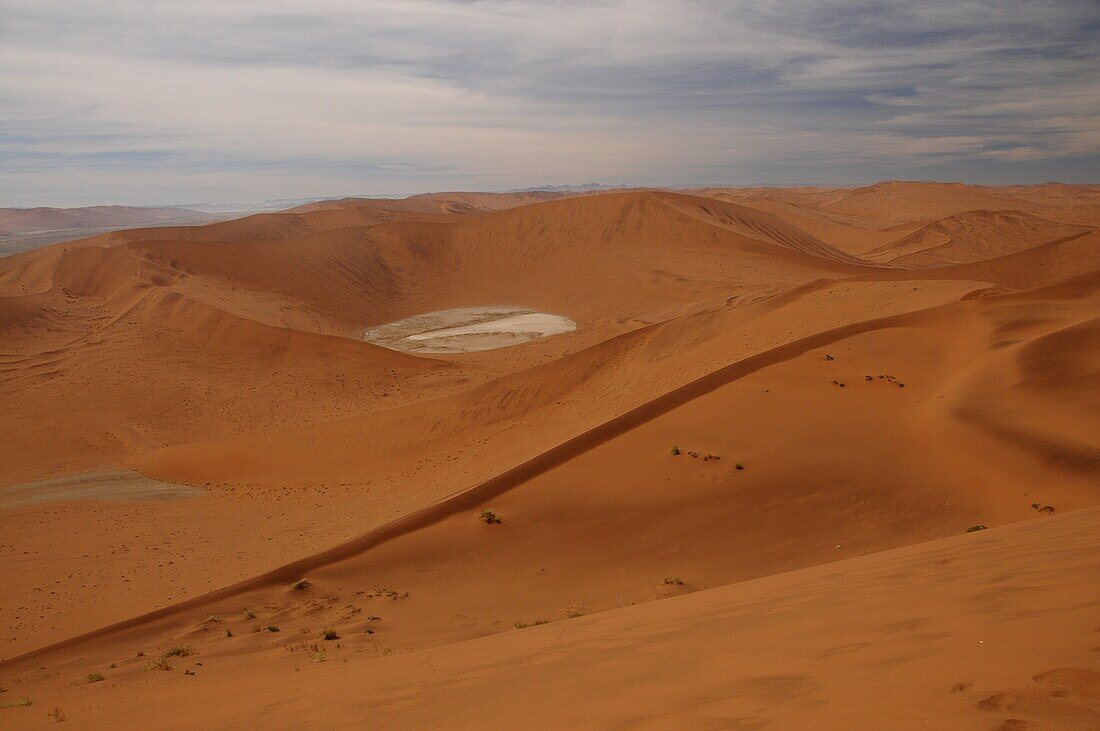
(20, 702)
(976, 528)
(739, 466)
(94, 677)
(524, 625)
(674, 581)
(57, 715)
(179, 651)
(1038, 507)
(489, 517)
(329, 634)
(303, 647)
(248, 614)
(271, 628)
(211, 620)
(160, 663)
(675, 451)
(228, 632)
(381, 592)
(300, 585)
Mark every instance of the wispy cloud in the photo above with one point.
(133, 101)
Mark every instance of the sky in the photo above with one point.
(157, 102)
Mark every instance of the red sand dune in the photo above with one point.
(852, 376)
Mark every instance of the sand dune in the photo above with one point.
(850, 379)
(973, 631)
(905, 202)
(972, 236)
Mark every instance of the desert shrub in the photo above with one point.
(674, 581)
(489, 517)
(739, 466)
(179, 651)
(20, 702)
(976, 528)
(675, 451)
(300, 585)
(94, 677)
(271, 628)
(329, 634)
(159, 664)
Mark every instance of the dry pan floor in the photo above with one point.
(103, 486)
(467, 330)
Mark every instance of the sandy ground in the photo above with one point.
(851, 379)
(467, 330)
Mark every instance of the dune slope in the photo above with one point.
(760, 382)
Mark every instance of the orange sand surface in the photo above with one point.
(735, 495)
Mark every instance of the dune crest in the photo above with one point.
(450, 446)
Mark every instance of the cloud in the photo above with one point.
(132, 101)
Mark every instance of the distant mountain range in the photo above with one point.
(582, 188)
(28, 228)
